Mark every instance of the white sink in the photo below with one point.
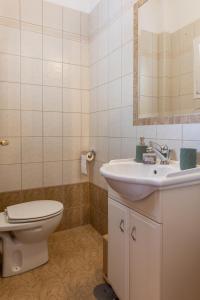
(136, 180)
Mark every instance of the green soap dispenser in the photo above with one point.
(140, 150)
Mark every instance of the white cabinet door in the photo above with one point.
(145, 258)
(118, 249)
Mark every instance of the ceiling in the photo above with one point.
(82, 5)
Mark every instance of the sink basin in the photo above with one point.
(136, 181)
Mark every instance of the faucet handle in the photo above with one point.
(165, 151)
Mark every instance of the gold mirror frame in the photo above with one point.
(176, 119)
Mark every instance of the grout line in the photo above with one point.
(43, 179)
(21, 145)
(62, 142)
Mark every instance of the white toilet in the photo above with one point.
(24, 232)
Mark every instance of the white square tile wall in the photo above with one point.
(44, 94)
(112, 134)
(66, 81)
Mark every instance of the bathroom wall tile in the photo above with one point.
(71, 20)
(9, 95)
(114, 148)
(114, 38)
(84, 24)
(85, 59)
(31, 71)
(173, 132)
(52, 99)
(71, 100)
(10, 177)
(32, 175)
(31, 43)
(71, 124)
(102, 97)
(71, 148)
(52, 15)
(103, 44)
(115, 65)
(10, 68)
(85, 143)
(71, 51)
(52, 48)
(127, 128)
(10, 9)
(127, 90)
(52, 149)
(72, 195)
(127, 26)
(31, 11)
(40, 95)
(127, 58)
(52, 73)
(85, 78)
(147, 131)
(102, 71)
(10, 40)
(115, 93)
(54, 192)
(31, 123)
(9, 198)
(102, 144)
(71, 172)
(114, 123)
(71, 76)
(10, 123)
(12, 153)
(73, 217)
(52, 123)
(114, 8)
(191, 132)
(192, 144)
(128, 146)
(85, 125)
(52, 173)
(31, 97)
(33, 194)
(32, 149)
(103, 123)
(85, 101)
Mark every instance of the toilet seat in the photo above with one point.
(33, 211)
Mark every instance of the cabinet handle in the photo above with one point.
(121, 226)
(133, 233)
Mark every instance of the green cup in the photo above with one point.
(188, 158)
(140, 149)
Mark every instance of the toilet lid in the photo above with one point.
(33, 211)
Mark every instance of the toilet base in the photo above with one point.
(19, 257)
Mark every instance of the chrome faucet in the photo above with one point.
(162, 152)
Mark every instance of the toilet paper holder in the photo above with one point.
(91, 155)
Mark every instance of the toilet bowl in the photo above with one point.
(24, 232)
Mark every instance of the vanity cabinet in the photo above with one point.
(134, 254)
(154, 245)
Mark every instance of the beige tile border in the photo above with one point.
(174, 119)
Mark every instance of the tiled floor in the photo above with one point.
(72, 272)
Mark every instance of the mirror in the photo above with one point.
(166, 61)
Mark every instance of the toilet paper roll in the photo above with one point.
(84, 170)
(90, 156)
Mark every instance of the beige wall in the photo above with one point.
(44, 94)
(111, 54)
